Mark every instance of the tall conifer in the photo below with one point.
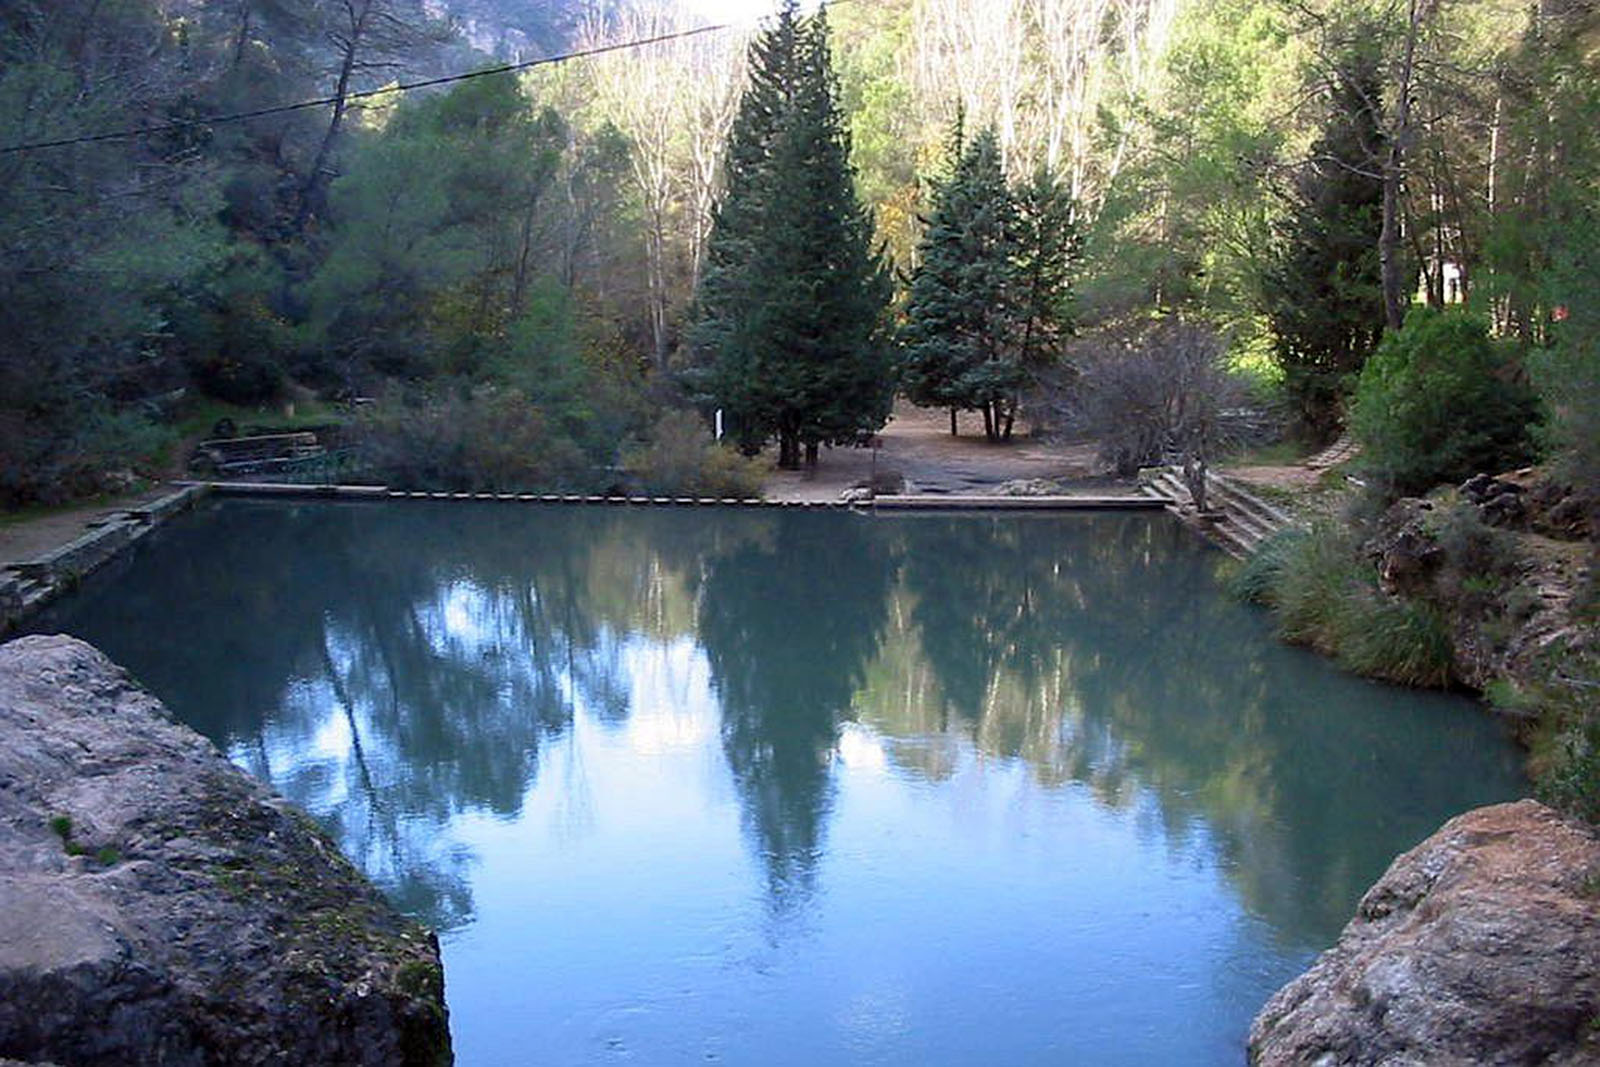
(960, 328)
(1324, 293)
(791, 310)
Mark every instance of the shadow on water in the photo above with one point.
(393, 667)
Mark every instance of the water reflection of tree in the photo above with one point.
(443, 643)
(1101, 651)
(790, 616)
(446, 645)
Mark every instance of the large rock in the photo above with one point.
(159, 906)
(1479, 946)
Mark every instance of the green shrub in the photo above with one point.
(1394, 639)
(1568, 372)
(1565, 744)
(1317, 574)
(485, 440)
(1480, 562)
(1441, 401)
(680, 459)
(74, 452)
(1257, 580)
(1325, 595)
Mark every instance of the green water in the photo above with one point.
(773, 787)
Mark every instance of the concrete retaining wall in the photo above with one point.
(26, 586)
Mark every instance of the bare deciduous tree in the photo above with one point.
(673, 102)
(1161, 396)
(1042, 72)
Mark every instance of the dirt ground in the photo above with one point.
(917, 444)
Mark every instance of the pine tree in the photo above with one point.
(1049, 248)
(1324, 294)
(961, 323)
(791, 309)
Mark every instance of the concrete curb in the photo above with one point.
(29, 585)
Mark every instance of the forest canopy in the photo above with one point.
(516, 257)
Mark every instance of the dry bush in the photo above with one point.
(486, 440)
(1162, 395)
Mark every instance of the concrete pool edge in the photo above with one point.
(898, 502)
(29, 585)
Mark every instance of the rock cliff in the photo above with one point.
(159, 906)
(1479, 946)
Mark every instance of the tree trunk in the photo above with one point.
(1395, 296)
(241, 38)
(1010, 420)
(311, 188)
(989, 428)
(788, 450)
(953, 423)
(519, 284)
(811, 453)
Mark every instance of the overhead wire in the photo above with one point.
(404, 87)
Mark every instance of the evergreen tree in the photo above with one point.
(1324, 293)
(1049, 249)
(964, 322)
(790, 312)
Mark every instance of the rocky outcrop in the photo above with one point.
(159, 906)
(1509, 599)
(1479, 946)
(1029, 487)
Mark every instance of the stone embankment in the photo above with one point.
(1479, 946)
(159, 906)
(26, 584)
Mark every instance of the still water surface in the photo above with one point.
(759, 787)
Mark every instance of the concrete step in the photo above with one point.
(1240, 521)
(1243, 500)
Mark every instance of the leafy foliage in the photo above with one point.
(1567, 373)
(1441, 401)
(681, 459)
(470, 440)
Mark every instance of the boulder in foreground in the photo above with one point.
(157, 905)
(1479, 946)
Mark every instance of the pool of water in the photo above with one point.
(753, 786)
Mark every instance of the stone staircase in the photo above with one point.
(20, 593)
(1238, 520)
(1343, 450)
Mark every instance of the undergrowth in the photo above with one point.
(1323, 591)
(1325, 595)
(1562, 711)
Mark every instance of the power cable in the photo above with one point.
(282, 109)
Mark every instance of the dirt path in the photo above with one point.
(32, 534)
(917, 444)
